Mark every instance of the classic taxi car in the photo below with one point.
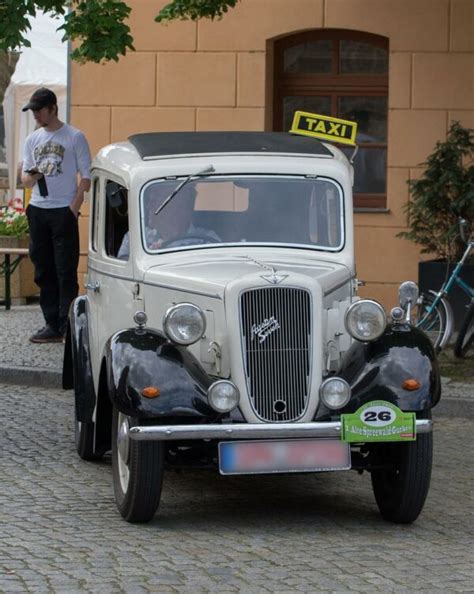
(221, 324)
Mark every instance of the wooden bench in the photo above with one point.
(7, 268)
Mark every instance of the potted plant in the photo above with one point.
(14, 233)
(443, 194)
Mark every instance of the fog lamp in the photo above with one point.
(397, 314)
(335, 392)
(140, 318)
(223, 396)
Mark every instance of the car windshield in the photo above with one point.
(215, 210)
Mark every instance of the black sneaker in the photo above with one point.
(47, 334)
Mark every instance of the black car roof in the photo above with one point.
(160, 144)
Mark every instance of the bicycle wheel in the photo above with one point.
(465, 337)
(432, 320)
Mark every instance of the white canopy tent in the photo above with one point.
(44, 64)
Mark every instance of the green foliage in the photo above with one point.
(194, 9)
(444, 193)
(14, 23)
(97, 27)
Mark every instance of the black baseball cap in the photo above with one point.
(41, 98)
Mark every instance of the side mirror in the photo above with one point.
(115, 194)
(408, 294)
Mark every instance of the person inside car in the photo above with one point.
(172, 226)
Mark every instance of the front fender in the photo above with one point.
(136, 360)
(77, 370)
(377, 370)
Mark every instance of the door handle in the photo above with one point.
(93, 286)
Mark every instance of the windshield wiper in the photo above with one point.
(206, 171)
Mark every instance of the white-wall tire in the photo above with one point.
(137, 469)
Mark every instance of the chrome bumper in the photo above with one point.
(248, 431)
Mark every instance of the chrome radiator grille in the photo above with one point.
(276, 341)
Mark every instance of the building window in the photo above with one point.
(344, 74)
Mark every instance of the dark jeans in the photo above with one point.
(54, 251)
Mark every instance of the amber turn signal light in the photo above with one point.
(151, 392)
(411, 384)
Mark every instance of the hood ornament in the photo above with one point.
(274, 278)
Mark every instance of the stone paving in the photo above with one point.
(16, 350)
(60, 531)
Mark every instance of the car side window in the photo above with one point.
(95, 213)
(116, 219)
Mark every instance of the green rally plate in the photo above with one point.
(378, 421)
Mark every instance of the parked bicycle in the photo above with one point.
(434, 314)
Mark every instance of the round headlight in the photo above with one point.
(184, 323)
(365, 320)
(335, 392)
(223, 396)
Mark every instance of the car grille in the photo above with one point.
(276, 339)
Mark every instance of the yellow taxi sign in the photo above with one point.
(324, 127)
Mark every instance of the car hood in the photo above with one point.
(210, 273)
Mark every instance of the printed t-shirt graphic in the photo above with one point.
(49, 158)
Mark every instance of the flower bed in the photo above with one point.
(13, 221)
(14, 234)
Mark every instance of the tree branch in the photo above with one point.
(98, 27)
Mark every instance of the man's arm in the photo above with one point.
(29, 179)
(84, 186)
(83, 159)
(28, 164)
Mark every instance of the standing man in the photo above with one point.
(55, 156)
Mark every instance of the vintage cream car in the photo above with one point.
(221, 324)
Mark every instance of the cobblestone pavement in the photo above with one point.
(60, 531)
(17, 325)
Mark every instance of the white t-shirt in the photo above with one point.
(60, 156)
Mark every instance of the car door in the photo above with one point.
(110, 281)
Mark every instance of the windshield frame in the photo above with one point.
(228, 177)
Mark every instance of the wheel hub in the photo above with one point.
(123, 440)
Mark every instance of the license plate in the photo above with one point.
(298, 455)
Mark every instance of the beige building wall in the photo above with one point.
(218, 76)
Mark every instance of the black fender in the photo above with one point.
(377, 370)
(137, 359)
(77, 369)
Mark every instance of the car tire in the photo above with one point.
(400, 491)
(84, 438)
(137, 468)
